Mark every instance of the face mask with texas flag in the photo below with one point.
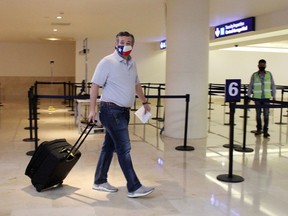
(124, 50)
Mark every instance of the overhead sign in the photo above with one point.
(236, 27)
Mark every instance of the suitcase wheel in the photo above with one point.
(39, 187)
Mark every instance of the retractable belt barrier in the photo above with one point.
(33, 97)
(219, 90)
(233, 106)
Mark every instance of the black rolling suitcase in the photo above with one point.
(53, 160)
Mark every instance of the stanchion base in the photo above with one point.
(29, 140)
(228, 146)
(29, 128)
(244, 116)
(156, 118)
(30, 153)
(185, 148)
(228, 124)
(230, 178)
(241, 149)
(280, 123)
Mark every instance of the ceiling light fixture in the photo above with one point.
(59, 17)
(55, 30)
(257, 49)
(53, 39)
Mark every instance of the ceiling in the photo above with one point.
(35, 20)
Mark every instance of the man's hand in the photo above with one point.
(147, 108)
(91, 117)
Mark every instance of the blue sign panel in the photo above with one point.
(236, 27)
(233, 90)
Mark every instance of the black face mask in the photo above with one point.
(261, 68)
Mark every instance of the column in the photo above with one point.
(187, 66)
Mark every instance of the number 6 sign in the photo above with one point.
(233, 90)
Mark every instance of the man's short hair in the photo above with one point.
(125, 34)
(262, 61)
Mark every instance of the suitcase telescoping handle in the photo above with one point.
(80, 140)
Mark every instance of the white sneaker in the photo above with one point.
(105, 187)
(140, 192)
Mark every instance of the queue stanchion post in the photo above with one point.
(31, 111)
(224, 120)
(69, 94)
(244, 148)
(284, 90)
(244, 94)
(158, 105)
(65, 93)
(230, 177)
(210, 97)
(210, 100)
(232, 95)
(34, 107)
(185, 147)
(51, 107)
(281, 109)
(73, 101)
(229, 124)
(227, 99)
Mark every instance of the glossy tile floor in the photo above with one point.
(186, 181)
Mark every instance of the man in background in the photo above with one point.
(263, 88)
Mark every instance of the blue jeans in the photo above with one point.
(115, 119)
(260, 103)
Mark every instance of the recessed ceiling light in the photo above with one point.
(55, 30)
(59, 17)
(53, 39)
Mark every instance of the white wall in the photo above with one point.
(21, 64)
(151, 61)
(240, 65)
(33, 59)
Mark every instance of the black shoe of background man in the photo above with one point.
(266, 135)
(258, 132)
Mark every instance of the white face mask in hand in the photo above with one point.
(124, 50)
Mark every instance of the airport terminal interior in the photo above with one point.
(229, 171)
(186, 182)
